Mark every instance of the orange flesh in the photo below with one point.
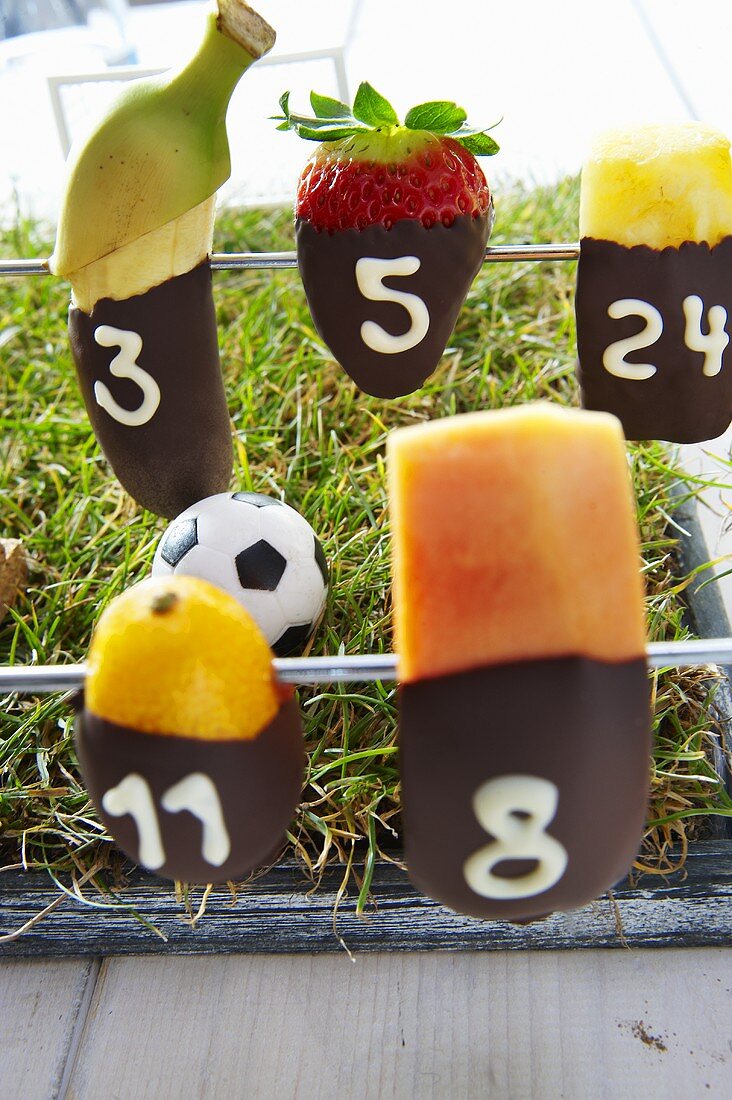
(514, 538)
(174, 655)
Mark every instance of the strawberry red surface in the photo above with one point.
(371, 169)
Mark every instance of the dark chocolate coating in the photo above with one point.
(678, 403)
(582, 724)
(450, 258)
(184, 452)
(259, 783)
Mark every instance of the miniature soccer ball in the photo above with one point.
(259, 550)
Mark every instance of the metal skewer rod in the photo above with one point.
(259, 261)
(351, 670)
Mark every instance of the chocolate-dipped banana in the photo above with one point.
(654, 294)
(525, 727)
(392, 222)
(133, 239)
(191, 753)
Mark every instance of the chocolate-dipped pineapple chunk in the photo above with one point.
(525, 727)
(392, 221)
(133, 239)
(191, 753)
(654, 294)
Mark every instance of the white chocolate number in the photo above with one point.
(714, 342)
(497, 804)
(195, 793)
(133, 796)
(369, 275)
(613, 359)
(124, 365)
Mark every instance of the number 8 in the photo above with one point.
(497, 804)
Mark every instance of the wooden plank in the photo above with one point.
(40, 1003)
(276, 914)
(584, 1024)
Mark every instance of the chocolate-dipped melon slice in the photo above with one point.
(192, 756)
(654, 296)
(524, 729)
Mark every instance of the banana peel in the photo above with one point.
(162, 149)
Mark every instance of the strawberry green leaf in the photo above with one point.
(326, 107)
(479, 144)
(438, 116)
(371, 107)
(336, 133)
(330, 128)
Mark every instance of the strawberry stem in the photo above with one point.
(334, 120)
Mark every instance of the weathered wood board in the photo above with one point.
(277, 915)
(40, 1004)
(512, 1025)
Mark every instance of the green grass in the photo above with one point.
(303, 431)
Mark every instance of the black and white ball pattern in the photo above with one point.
(259, 550)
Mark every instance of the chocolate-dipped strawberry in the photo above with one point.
(392, 221)
(654, 294)
(191, 754)
(133, 239)
(524, 712)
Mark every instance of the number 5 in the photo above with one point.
(370, 274)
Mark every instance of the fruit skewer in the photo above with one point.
(653, 299)
(262, 261)
(524, 700)
(353, 669)
(392, 220)
(134, 238)
(191, 752)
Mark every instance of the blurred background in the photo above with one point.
(555, 73)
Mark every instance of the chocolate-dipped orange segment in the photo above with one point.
(192, 754)
(525, 733)
(654, 297)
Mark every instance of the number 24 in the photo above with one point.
(712, 344)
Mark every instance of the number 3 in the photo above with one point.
(369, 275)
(497, 805)
(124, 365)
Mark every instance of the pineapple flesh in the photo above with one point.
(658, 186)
